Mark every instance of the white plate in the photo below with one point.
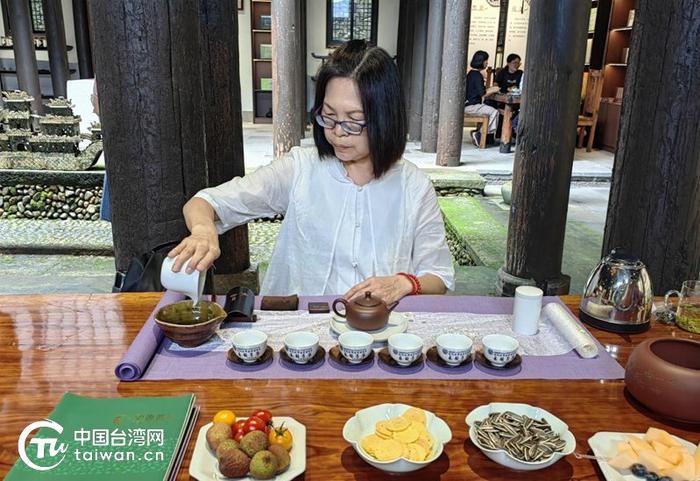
(397, 324)
(204, 465)
(603, 444)
(505, 459)
(363, 424)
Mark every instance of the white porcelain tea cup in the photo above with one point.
(249, 344)
(405, 348)
(454, 349)
(191, 285)
(355, 345)
(500, 349)
(301, 346)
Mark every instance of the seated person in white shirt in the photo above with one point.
(357, 216)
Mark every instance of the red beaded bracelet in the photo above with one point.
(417, 288)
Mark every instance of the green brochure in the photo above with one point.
(137, 438)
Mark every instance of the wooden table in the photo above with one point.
(506, 131)
(57, 343)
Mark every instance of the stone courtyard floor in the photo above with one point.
(75, 256)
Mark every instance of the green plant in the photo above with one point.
(60, 102)
(15, 95)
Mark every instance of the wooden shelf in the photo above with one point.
(621, 29)
(262, 67)
(616, 65)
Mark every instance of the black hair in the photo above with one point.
(378, 81)
(478, 60)
(512, 57)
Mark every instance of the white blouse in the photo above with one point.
(335, 234)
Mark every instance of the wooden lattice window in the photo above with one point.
(351, 20)
(36, 11)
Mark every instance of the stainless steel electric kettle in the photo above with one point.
(618, 296)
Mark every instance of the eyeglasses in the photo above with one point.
(349, 126)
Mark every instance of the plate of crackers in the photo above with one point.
(397, 438)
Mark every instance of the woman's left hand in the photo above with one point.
(387, 288)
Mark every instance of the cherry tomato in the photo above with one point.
(255, 421)
(225, 416)
(254, 424)
(263, 414)
(238, 436)
(281, 436)
(238, 425)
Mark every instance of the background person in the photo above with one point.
(509, 76)
(477, 92)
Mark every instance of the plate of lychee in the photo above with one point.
(218, 456)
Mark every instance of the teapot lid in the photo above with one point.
(622, 258)
(368, 300)
(621, 254)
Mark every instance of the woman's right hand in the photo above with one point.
(201, 248)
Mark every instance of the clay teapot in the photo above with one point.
(365, 313)
(664, 375)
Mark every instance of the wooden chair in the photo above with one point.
(490, 74)
(476, 120)
(591, 104)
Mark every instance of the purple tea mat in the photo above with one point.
(166, 364)
(147, 341)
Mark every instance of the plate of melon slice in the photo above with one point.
(656, 450)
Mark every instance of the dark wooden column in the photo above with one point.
(25, 57)
(556, 45)
(56, 37)
(452, 83)
(82, 38)
(433, 68)
(150, 88)
(417, 78)
(654, 208)
(404, 46)
(222, 116)
(301, 72)
(286, 117)
(501, 34)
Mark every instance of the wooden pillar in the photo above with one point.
(433, 68)
(285, 77)
(150, 88)
(404, 47)
(501, 34)
(654, 208)
(82, 38)
(556, 46)
(417, 76)
(25, 56)
(301, 84)
(452, 82)
(58, 53)
(222, 116)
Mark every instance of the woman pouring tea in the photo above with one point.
(357, 216)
